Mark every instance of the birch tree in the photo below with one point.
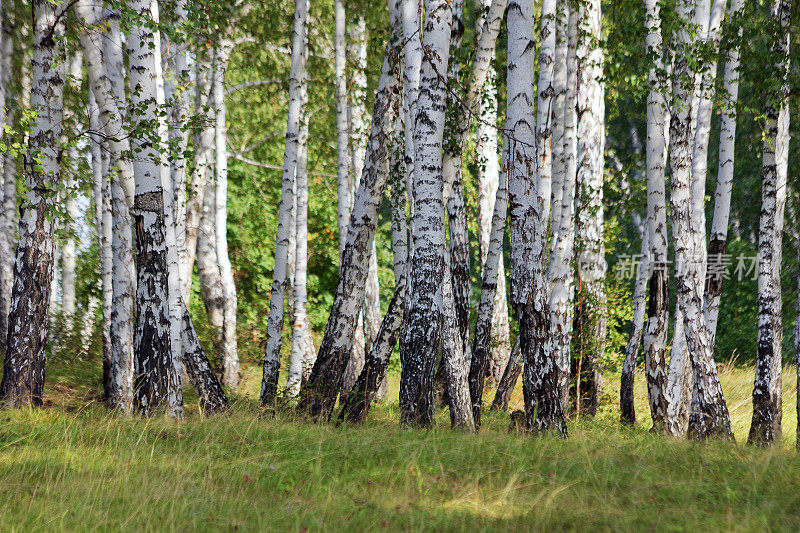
(158, 366)
(269, 382)
(9, 189)
(767, 400)
(24, 364)
(419, 341)
(318, 395)
(591, 310)
(488, 177)
(655, 335)
(709, 412)
(529, 199)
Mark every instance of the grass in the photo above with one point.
(74, 466)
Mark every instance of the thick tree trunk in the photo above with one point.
(722, 196)
(529, 199)
(318, 396)
(655, 335)
(24, 365)
(209, 391)
(272, 361)
(419, 341)
(230, 353)
(158, 366)
(765, 428)
(591, 310)
(710, 417)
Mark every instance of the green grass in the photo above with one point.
(74, 466)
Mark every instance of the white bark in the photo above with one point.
(344, 198)
(590, 167)
(158, 365)
(767, 394)
(722, 196)
(560, 272)
(655, 335)
(230, 355)
(8, 208)
(23, 368)
(710, 416)
(529, 200)
(419, 341)
(271, 365)
(488, 170)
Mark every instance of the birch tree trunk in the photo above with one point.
(158, 366)
(765, 428)
(722, 196)
(626, 406)
(344, 198)
(230, 354)
(509, 379)
(422, 332)
(24, 364)
(710, 417)
(489, 287)
(591, 310)
(269, 382)
(69, 248)
(203, 164)
(411, 17)
(318, 395)
(560, 271)
(8, 208)
(529, 198)
(208, 267)
(655, 335)
(488, 177)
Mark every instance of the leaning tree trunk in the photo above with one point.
(655, 335)
(230, 353)
(710, 416)
(765, 428)
(272, 355)
(529, 200)
(23, 368)
(318, 396)
(158, 367)
(722, 197)
(489, 287)
(591, 309)
(419, 341)
(626, 405)
(509, 379)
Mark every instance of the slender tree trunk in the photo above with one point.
(722, 196)
(488, 171)
(509, 379)
(560, 272)
(208, 267)
(209, 391)
(203, 165)
(344, 199)
(655, 335)
(318, 396)
(302, 344)
(422, 332)
(529, 199)
(491, 280)
(24, 365)
(269, 382)
(230, 353)
(8, 208)
(765, 428)
(626, 406)
(591, 314)
(710, 417)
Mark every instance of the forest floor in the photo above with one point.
(74, 466)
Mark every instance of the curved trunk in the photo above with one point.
(509, 379)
